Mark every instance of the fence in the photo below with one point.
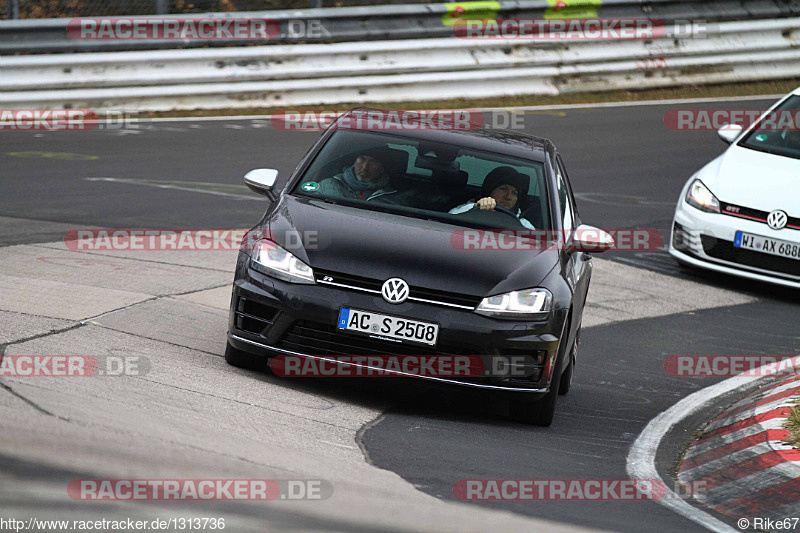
(390, 22)
(413, 69)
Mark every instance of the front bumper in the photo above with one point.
(706, 240)
(271, 317)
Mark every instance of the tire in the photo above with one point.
(566, 376)
(539, 412)
(245, 360)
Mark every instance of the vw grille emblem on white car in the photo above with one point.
(394, 290)
(777, 219)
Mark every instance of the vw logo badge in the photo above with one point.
(777, 219)
(395, 290)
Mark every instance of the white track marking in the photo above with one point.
(520, 108)
(641, 458)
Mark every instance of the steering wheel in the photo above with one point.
(505, 211)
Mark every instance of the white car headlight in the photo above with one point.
(273, 260)
(525, 304)
(700, 197)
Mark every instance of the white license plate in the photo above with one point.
(790, 250)
(387, 327)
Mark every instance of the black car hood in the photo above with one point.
(377, 245)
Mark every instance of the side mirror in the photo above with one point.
(729, 132)
(261, 181)
(591, 239)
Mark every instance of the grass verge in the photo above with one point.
(792, 425)
(688, 91)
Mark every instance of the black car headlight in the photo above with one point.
(272, 260)
(531, 304)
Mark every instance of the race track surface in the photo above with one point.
(391, 450)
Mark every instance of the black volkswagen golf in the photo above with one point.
(420, 243)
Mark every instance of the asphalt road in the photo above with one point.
(624, 163)
(626, 168)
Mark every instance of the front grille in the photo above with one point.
(725, 250)
(755, 215)
(374, 285)
(683, 240)
(254, 317)
(315, 338)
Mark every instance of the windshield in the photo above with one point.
(428, 180)
(778, 132)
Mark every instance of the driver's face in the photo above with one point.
(505, 196)
(368, 168)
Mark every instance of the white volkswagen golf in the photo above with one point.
(740, 214)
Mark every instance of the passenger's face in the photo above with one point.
(368, 168)
(505, 196)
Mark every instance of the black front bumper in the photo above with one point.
(271, 317)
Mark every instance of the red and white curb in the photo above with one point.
(748, 470)
(741, 464)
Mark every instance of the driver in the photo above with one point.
(502, 187)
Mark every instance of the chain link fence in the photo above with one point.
(32, 9)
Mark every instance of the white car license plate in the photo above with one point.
(790, 250)
(387, 327)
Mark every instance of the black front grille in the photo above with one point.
(725, 250)
(754, 214)
(254, 317)
(349, 279)
(415, 292)
(680, 239)
(316, 338)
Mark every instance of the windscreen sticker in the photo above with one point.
(310, 186)
(761, 137)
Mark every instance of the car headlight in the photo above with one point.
(528, 304)
(700, 197)
(271, 259)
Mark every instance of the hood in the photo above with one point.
(755, 179)
(380, 246)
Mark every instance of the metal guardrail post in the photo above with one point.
(162, 7)
(13, 9)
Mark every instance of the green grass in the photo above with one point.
(792, 425)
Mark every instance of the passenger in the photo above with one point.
(365, 179)
(503, 186)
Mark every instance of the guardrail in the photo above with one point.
(421, 69)
(387, 22)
